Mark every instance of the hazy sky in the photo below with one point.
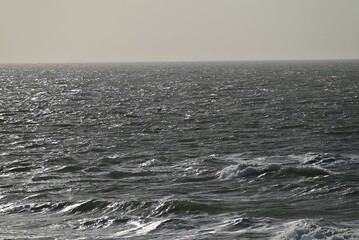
(177, 30)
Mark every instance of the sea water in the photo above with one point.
(228, 150)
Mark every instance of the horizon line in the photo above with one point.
(184, 61)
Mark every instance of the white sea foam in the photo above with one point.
(308, 230)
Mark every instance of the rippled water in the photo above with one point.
(180, 151)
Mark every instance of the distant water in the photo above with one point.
(262, 150)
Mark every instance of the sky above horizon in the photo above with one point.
(56, 31)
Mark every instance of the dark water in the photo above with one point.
(180, 151)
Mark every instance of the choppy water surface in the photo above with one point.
(180, 151)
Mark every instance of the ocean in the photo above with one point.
(208, 150)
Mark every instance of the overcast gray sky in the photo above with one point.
(36, 31)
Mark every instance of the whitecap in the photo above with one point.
(70, 207)
(242, 170)
(138, 228)
(237, 171)
(149, 163)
